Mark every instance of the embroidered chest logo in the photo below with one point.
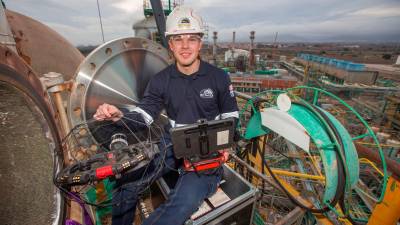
(207, 93)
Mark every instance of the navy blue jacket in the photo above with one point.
(206, 94)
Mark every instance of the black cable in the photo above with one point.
(341, 200)
(143, 184)
(281, 153)
(340, 186)
(342, 174)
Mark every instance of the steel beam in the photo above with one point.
(159, 16)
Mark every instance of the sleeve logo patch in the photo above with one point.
(207, 93)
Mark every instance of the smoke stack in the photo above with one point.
(214, 50)
(233, 47)
(251, 63)
(252, 33)
(233, 39)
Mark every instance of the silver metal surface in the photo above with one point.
(116, 73)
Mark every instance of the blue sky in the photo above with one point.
(301, 20)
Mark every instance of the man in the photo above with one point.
(189, 90)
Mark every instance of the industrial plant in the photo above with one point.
(318, 128)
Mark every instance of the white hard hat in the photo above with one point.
(183, 20)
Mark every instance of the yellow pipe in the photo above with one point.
(322, 219)
(315, 164)
(367, 161)
(287, 173)
(294, 174)
(256, 160)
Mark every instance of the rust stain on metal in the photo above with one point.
(42, 48)
(392, 165)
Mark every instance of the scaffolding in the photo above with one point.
(168, 6)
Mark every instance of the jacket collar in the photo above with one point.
(201, 72)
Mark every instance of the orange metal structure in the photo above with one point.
(388, 211)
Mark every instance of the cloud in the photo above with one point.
(380, 11)
(306, 20)
(78, 20)
(128, 6)
(301, 20)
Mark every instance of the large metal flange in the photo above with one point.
(32, 159)
(117, 73)
(29, 83)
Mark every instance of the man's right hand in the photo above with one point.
(108, 112)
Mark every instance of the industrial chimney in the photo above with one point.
(251, 59)
(214, 49)
(233, 46)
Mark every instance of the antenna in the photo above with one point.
(101, 23)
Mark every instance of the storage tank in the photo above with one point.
(146, 28)
(398, 61)
(234, 54)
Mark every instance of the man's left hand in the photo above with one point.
(225, 154)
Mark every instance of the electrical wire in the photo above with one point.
(143, 183)
(338, 142)
(339, 189)
(342, 204)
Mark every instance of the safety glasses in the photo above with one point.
(191, 39)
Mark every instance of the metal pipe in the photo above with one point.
(242, 95)
(54, 83)
(248, 97)
(292, 216)
(392, 165)
(61, 110)
(255, 172)
(294, 174)
(367, 161)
